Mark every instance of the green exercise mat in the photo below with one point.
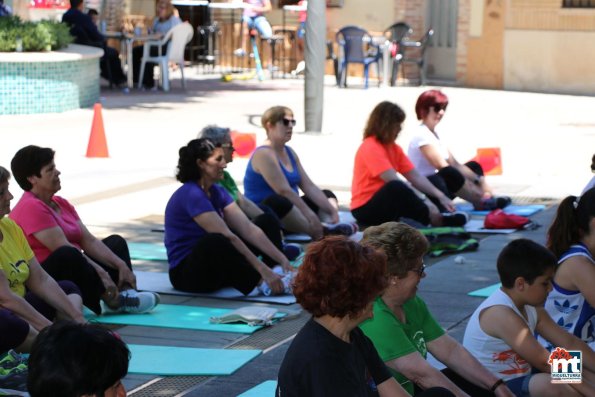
(176, 316)
(179, 361)
(485, 292)
(265, 389)
(147, 251)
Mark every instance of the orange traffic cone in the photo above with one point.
(97, 143)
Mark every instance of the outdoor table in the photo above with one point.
(292, 9)
(129, 39)
(231, 9)
(384, 45)
(191, 4)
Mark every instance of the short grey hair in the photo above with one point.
(217, 135)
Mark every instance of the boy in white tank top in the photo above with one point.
(500, 333)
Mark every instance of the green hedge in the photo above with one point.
(34, 36)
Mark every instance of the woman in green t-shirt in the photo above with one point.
(403, 330)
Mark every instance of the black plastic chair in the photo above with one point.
(396, 33)
(419, 60)
(358, 47)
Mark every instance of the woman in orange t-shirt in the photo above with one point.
(378, 195)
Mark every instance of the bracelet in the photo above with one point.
(495, 385)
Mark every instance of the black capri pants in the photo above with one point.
(449, 180)
(69, 263)
(281, 205)
(391, 202)
(214, 262)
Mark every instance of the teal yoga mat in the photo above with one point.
(523, 210)
(147, 251)
(485, 292)
(265, 389)
(176, 316)
(171, 360)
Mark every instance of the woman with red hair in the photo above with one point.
(433, 159)
(330, 356)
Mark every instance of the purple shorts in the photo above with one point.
(14, 329)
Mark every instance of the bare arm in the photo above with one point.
(238, 222)
(213, 223)
(431, 153)
(265, 162)
(390, 388)
(457, 358)
(248, 206)
(54, 238)
(47, 288)
(415, 368)
(19, 306)
(314, 193)
(578, 273)
(422, 184)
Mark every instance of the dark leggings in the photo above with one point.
(463, 384)
(69, 263)
(137, 55)
(449, 181)
(391, 202)
(281, 205)
(215, 263)
(14, 330)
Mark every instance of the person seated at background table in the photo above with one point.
(210, 242)
(261, 216)
(77, 360)
(29, 298)
(94, 16)
(85, 32)
(500, 333)
(571, 238)
(164, 20)
(274, 174)
(431, 158)
(377, 193)
(63, 244)
(253, 18)
(330, 355)
(403, 330)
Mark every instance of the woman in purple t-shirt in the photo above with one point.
(210, 243)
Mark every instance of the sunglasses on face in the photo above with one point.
(438, 107)
(420, 271)
(228, 146)
(287, 122)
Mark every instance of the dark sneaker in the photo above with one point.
(495, 202)
(292, 250)
(11, 360)
(343, 229)
(454, 219)
(135, 302)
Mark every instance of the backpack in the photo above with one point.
(446, 240)
(498, 219)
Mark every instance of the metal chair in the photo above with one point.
(358, 47)
(396, 33)
(420, 60)
(176, 40)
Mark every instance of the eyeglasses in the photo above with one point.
(287, 122)
(228, 146)
(438, 107)
(421, 270)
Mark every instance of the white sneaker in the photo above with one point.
(287, 281)
(132, 301)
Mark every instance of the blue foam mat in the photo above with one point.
(265, 389)
(171, 360)
(523, 210)
(147, 251)
(485, 292)
(176, 316)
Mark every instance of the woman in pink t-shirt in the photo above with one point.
(378, 195)
(64, 246)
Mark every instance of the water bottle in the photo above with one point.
(138, 31)
(19, 44)
(103, 26)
